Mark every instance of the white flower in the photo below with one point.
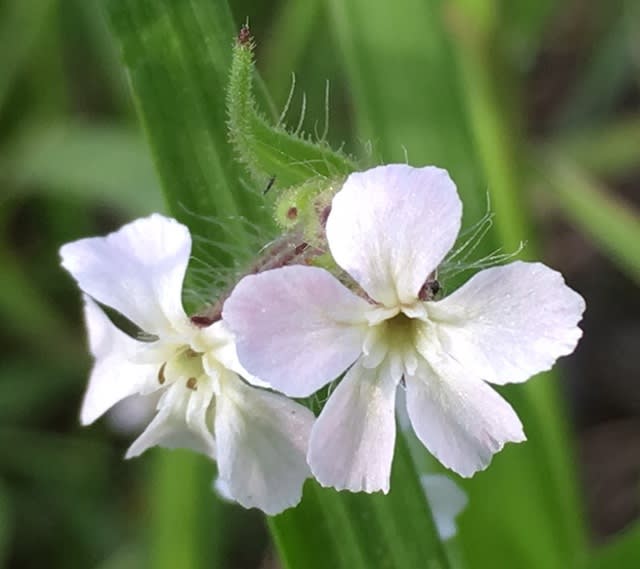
(258, 438)
(446, 501)
(299, 328)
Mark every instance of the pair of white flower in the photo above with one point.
(299, 328)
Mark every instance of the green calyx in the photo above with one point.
(306, 207)
(286, 163)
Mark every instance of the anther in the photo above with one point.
(429, 289)
(192, 383)
(161, 377)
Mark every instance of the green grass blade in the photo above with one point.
(6, 523)
(361, 531)
(178, 57)
(605, 73)
(20, 27)
(612, 224)
(290, 37)
(406, 97)
(99, 164)
(177, 54)
(611, 149)
(185, 524)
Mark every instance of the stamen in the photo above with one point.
(161, 377)
(192, 383)
(429, 289)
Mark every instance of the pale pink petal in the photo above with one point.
(508, 323)
(390, 227)
(352, 442)
(262, 441)
(218, 345)
(114, 375)
(297, 328)
(183, 421)
(460, 419)
(137, 270)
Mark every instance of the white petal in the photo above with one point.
(297, 328)
(131, 415)
(390, 227)
(138, 270)
(508, 323)
(262, 441)
(219, 346)
(446, 500)
(114, 376)
(352, 442)
(183, 421)
(461, 420)
(222, 489)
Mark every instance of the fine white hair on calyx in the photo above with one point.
(207, 277)
(459, 259)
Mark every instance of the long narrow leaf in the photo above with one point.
(441, 105)
(177, 55)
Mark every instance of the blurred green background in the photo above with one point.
(538, 95)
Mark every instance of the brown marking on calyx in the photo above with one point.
(292, 213)
(324, 215)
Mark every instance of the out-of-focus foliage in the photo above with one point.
(535, 104)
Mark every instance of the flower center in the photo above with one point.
(393, 341)
(184, 365)
(400, 332)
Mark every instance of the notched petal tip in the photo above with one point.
(137, 270)
(352, 442)
(461, 420)
(510, 322)
(262, 438)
